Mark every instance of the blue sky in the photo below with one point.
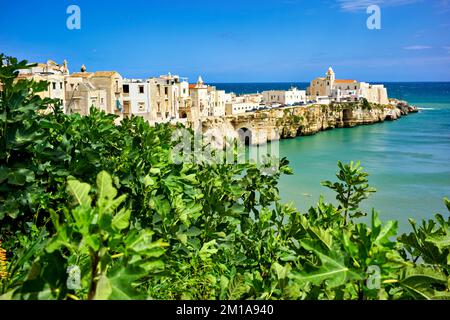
(236, 41)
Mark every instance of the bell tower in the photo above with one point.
(330, 77)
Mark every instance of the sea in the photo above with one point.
(408, 160)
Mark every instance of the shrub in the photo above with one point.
(83, 199)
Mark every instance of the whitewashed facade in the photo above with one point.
(342, 90)
(240, 107)
(137, 97)
(288, 98)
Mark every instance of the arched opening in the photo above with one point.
(183, 115)
(347, 114)
(245, 136)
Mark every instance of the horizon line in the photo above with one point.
(283, 82)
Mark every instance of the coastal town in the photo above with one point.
(214, 159)
(171, 98)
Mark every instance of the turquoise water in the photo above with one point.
(408, 159)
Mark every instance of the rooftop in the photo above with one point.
(105, 73)
(344, 81)
(81, 74)
(197, 86)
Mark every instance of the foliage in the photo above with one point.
(23, 131)
(82, 200)
(3, 272)
(352, 189)
(298, 119)
(366, 105)
(429, 242)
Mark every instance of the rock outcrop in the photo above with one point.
(291, 122)
(403, 106)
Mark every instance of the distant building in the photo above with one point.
(375, 93)
(240, 107)
(101, 89)
(200, 98)
(137, 98)
(206, 100)
(81, 95)
(323, 100)
(288, 98)
(169, 97)
(250, 97)
(218, 100)
(112, 83)
(345, 90)
(51, 72)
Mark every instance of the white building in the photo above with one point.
(250, 97)
(137, 98)
(374, 93)
(218, 100)
(288, 98)
(200, 98)
(54, 74)
(169, 97)
(323, 100)
(346, 90)
(206, 100)
(240, 107)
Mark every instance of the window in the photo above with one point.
(166, 90)
(126, 88)
(141, 89)
(61, 85)
(54, 85)
(126, 107)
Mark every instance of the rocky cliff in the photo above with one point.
(297, 121)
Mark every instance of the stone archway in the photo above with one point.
(245, 135)
(347, 114)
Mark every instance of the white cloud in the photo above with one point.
(355, 5)
(417, 47)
